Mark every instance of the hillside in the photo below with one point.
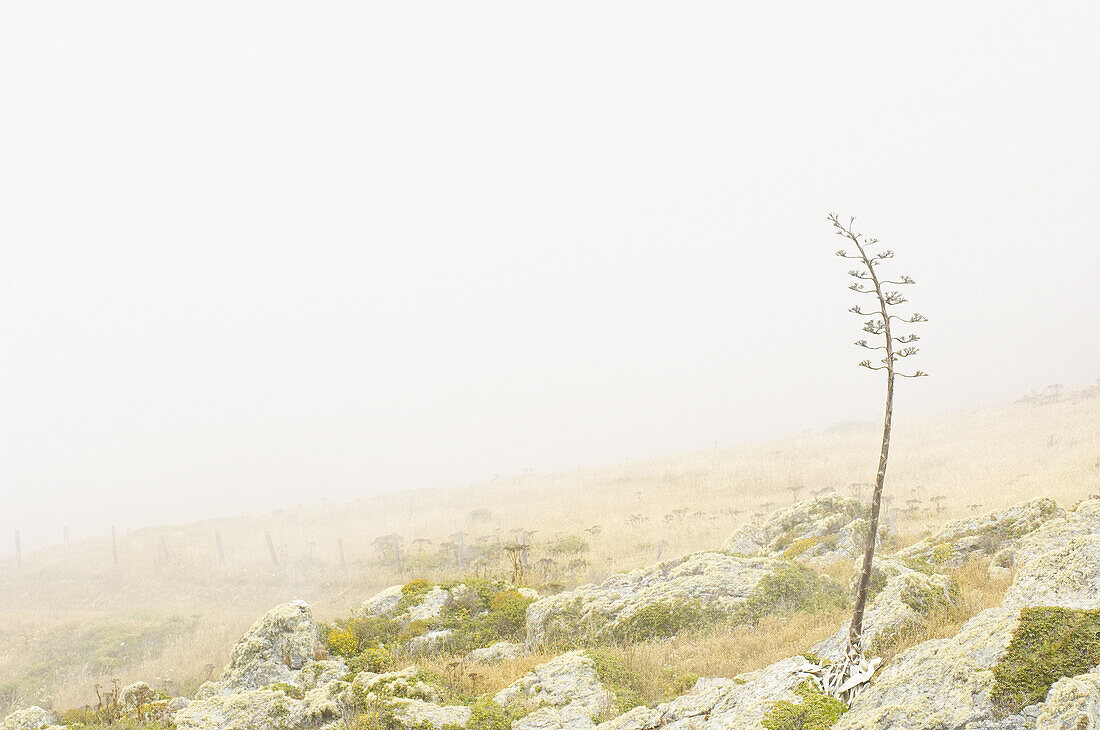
(170, 610)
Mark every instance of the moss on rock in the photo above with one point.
(815, 711)
(1049, 643)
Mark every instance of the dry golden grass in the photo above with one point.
(977, 461)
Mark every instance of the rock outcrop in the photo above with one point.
(562, 694)
(31, 718)
(948, 683)
(741, 702)
(906, 601)
(498, 652)
(685, 593)
(997, 532)
(272, 651)
(828, 528)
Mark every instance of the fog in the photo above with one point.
(263, 254)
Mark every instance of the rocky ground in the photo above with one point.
(1032, 662)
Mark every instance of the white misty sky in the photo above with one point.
(259, 254)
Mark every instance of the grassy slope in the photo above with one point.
(59, 602)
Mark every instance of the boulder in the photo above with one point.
(1073, 703)
(31, 718)
(689, 592)
(714, 704)
(564, 694)
(827, 528)
(958, 541)
(268, 708)
(382, 603)
(407, 683)
(420, 714)
(272, 651)
(906, 601)
(947, 683)
(498, 652)
(1059, 564)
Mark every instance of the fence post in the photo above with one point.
(164, 547)
(460, 549)
(340, 547)
(271, 549)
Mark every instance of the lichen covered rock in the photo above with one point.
(272, 651)
(382, 603)
(695, 591)
(564, 693)
(958, 541)
(268, 708)
(31, 718)
(1073, 703)
(714, 704)
(498, 652)
(419, 714)
(908, 600)
(950, 683)
(407, 683)
(827, 528)
(1059, 564)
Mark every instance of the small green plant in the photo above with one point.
(1049, 643)
(941, 554)
(661, 620)
(488, 715)
(569, 545)
(624, 686)
(815, 711)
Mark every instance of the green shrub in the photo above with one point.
(816, 711)
(289, 690)
(626, 691)
(1049, 643)
(660, 620)
(569, 545)
(791, 589)
(488, 715)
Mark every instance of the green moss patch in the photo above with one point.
(791, 589)
(1049, 643)
(485, 613)
(662, 620)
(815, 711)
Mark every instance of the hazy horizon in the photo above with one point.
(257, 255)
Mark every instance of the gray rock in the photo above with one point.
(31, 718)
(406, 683)
(269, 709)
(720, 704)
(716, 583)
(946, 684)
(382, 603)
(498, 652)
(417, 713)
(1073, 703)
(564, 694)
(906, 601)
(958, 541)
(828, 528)
(277, 645)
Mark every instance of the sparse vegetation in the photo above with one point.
(815, 710)
(1049, 643)
(66, 596)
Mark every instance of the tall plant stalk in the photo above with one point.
(869, 281)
